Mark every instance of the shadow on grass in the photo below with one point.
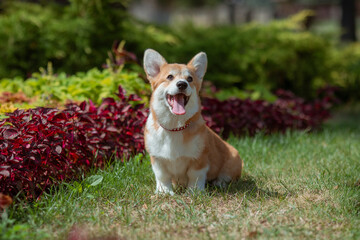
(249, 186)
(345, 118)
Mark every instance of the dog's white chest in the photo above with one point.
(164, 144)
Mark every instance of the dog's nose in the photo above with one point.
(182, 85)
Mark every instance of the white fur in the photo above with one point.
(197, 178)
(152, 62)
(164, 144)
(163, 111)
(179, 171)
(172, 89)
(163, 178)
(200, 64)
(172, 155)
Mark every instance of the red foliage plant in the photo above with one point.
(43, 146)
(240, 117)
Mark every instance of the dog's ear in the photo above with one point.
(153, 61)
(199, 63)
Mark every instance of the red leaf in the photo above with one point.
(10, 133)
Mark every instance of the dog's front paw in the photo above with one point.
(163, 191)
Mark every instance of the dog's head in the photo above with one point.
(175, 86)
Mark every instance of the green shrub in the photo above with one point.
(346, 73)
(276, 55)
(256, 57)
(74, 38)
(94, 84)
(78, 36)
(253, 92)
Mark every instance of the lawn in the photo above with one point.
(295, 186)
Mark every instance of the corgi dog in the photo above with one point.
(182, 149)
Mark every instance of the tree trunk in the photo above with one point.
(348, 19)
(232, 11)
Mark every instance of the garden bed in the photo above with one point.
(42, 147)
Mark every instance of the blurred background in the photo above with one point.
(254, 46)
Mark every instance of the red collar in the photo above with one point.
(177, 129)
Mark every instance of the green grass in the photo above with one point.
(295, 186)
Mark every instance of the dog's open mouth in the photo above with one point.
(177, 103)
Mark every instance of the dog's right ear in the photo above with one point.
(153, 61)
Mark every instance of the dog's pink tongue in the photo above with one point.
(179, 105)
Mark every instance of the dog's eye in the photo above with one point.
(170, 77)
(189, 79)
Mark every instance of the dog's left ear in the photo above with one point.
(199, 63)
(153, 62)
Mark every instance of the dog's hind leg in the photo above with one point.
(222, 181)
(230, 171)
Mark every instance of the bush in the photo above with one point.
(276, 55)
(77, 37)
(9, 101)
(74, 38)
(239, 117)
(43, 146)
(94, 85)
(346, 73)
